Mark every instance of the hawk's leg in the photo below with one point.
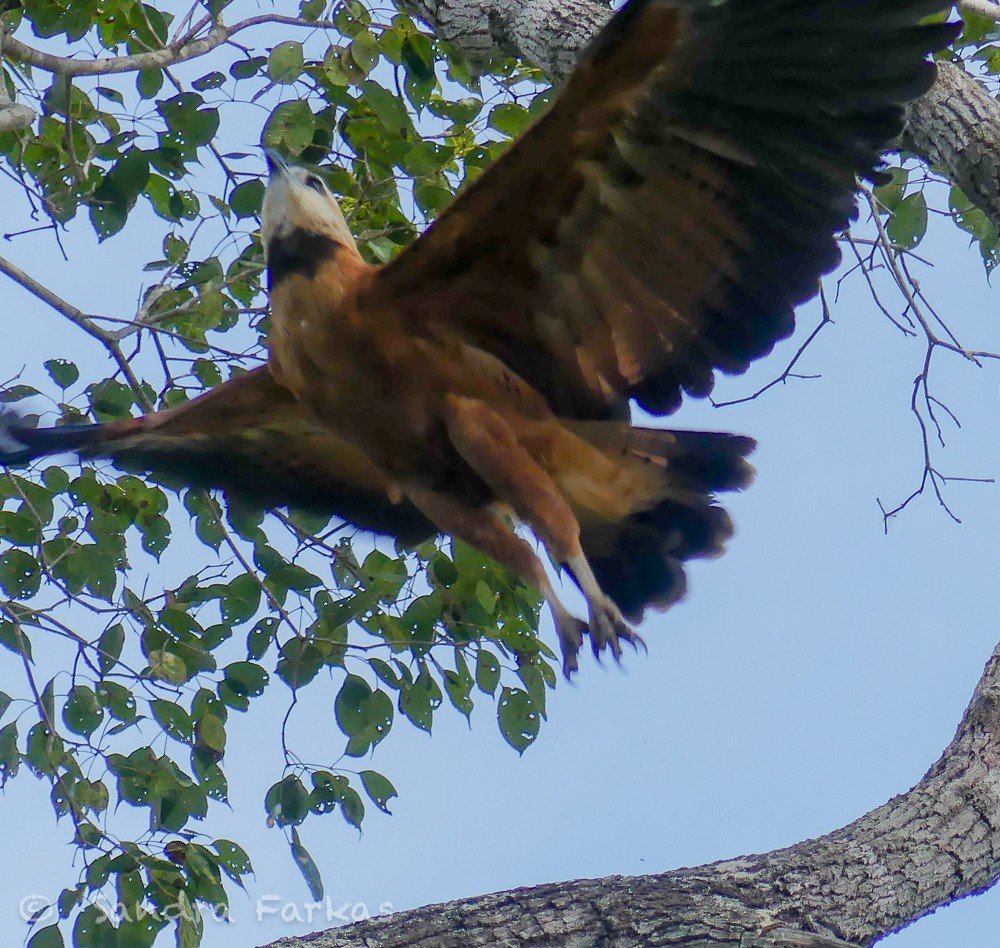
(489, 445)
(486, 530)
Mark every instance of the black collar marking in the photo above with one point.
(301, 251)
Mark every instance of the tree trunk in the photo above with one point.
(918, 852)
(956, 128)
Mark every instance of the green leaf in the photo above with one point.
(62, 372)
(189, 124)
(419, 700)
(82, 713)
(174, 720)
(119, 701)
(10, 757)
(20, 528)
(242, 598)
(261, 636)
(378, 788)
(212, 80)
(44, 753)
(975, 222)
(93, 927)
(418, 56)
(518, 718)
(286, 62)
(891, 193)
(20, 574)
(109, 647)
(308, 868)
(458, 685)
(210, 735)
(247, 198)
(246, 68)
(364, 51)
(148, 82)
(48, 937)
(14, 393)
(246, 678)
(487, 671)
(365, 716)
(389, 110)
(287, 802)
(311, 10)
(233, 859)
(443, 569)
(300, 662)
(908, 223)
(167, 666)
(117, 192)
(486, 597)
(352, 17)
(509, 118)
(290, 128)
(352, 807)
(110, 399)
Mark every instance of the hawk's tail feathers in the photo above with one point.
(638, 559)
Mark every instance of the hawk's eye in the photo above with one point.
(315, 183)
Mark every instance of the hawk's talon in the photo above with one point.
(570, 630)
(608, 629)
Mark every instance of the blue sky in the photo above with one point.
(815, 670)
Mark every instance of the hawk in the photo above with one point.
(658, 224)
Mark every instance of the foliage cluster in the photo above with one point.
(142, 675)
(130, 666)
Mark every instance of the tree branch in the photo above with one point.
(919, 851)
(74, 315)
(986, 8)
(956, 127)
(14, 116)
(549, 33)
(81, 319)
(177, 52)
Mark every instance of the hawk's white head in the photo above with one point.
(298, 200)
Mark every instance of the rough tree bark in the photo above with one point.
(956, 127)
(921, 850)
(549, 33)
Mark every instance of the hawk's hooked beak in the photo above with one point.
(276, 164)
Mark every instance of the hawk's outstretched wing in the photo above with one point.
(248, 436)
(660, 222)
(680, 197)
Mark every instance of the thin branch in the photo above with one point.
(788, 373)
(74, 315)
(186, 49)
(81, 319)
(13, 116)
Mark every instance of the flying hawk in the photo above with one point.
(658, 223)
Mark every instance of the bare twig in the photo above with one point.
(923, 404)
(787, 373)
